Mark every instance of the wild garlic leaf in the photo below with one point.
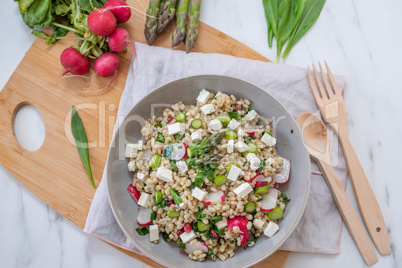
(81, 141)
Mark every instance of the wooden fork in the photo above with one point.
(333, 110)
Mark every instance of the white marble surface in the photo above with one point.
(360, 39)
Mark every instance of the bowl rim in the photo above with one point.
(155, 91)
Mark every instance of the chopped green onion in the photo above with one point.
(196, 123)
(158, 197)
(225, 119)
(216, 218)
(173, 214)
(250, 206)
(269, 132)
(155, 161)
(220, 180)
(180, 117)
(230, 135)
(275, 214)
(202, 227)
(262, 189)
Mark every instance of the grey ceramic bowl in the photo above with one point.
(290, 145)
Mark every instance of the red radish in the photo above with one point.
(239, 221)
(214, 234)
(268, 201)
(122, 14)
(178, 151)
(119, 39)
(260, 181)
(134, 192)
(101, 22)
(180, 232)
(188, 227)
(171, 202)
(198, 245)
(238, 106)
(285, 173)
(106, 65)
(257, 177)
(144, 216)
(244, 238)
(170, 118)
(74, 62)
(214, 198)
(251, 133)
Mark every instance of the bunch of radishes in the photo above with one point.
(102, 22)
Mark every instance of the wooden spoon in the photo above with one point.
(316, 137)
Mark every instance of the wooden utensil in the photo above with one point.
(55, 172)
(333, 110)
(316, 137)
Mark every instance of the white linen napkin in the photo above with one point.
(320, 227)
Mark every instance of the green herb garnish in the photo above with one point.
(160, 138)
(163, 203)
(247, 139)
(199, 214)
(259, 200)
(262, 166)
(234, 115)
(165, 236)
(142, 231)
(285, 198)
(211, 254)
(81, 141)
(178, 137)
(153, 216)
(159, 124)
(150, 171)
(182, 245)
(173, 164)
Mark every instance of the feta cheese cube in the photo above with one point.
(204, 96)
(181, 205)
(233, 124)
(219, 94)
(234, 173)
(198, 193)
(139, 145)
(221, 224)
(164, 174)
(268, 140)
(154, 232)
(230, 146)
(243, 190)
(208, 109)
(258, 223)
(250, 115)
(131, 150)
(197, 135)
(187, 237)
(241, 146)
(241, 132)
(131, 165)
(271, 229)
(182, 166)
(254, 161)
(145, 200)
(175, 128)
(140, 176)
(215, 124)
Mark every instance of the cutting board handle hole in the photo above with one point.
(28, 126)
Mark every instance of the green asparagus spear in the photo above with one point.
(205, 160)
(192, 27)
(166, 14)
(180, 31)
(205, 145)
(151, 22)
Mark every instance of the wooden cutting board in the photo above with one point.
(55, 172)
